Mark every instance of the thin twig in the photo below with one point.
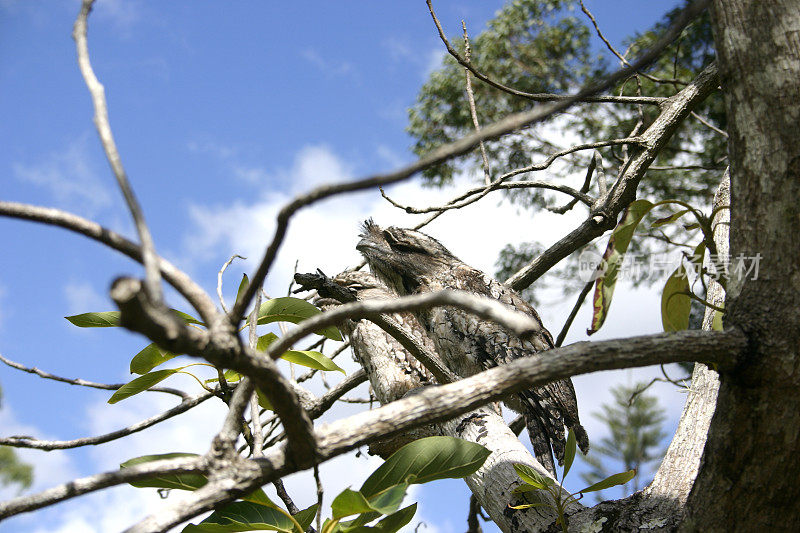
(473, 195)
(219, 280)
(587, 182)
(621, 57)
(578, 303)
(472, 111)
(101, 122)
(707, 123)
(29, 442)
(536, 97)
(85, 383)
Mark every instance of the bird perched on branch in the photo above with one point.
(411, 262)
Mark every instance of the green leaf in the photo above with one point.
(110, 319)
(149, 358)
(104, 319)
(569, 453)
(716, 322)
(243, 516)
(675, 303)
(263, 401)
(389, 500)
(531, 476)
(611, 481)
(391, 524)
(264, 341)
(242, 286)
(294, 310)
(529, 505)
(671, 218)
(349, 502)
(189, 319)
(311, 359)
(171, 481)
(231, 376)
(307, 358)
(306, 516)
(615, 252)
(142, 383)
(426, 460)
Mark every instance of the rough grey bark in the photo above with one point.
(748, 476)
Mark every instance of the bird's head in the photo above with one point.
(402, 258)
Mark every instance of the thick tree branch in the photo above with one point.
(603, 216)
(434, 404)
(222, 348)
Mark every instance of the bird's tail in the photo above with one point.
(581, 438)
(541, 443)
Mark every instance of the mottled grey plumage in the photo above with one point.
(411, 262)
(392, 370)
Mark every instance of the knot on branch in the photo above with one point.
(325, 286)
(140, 314)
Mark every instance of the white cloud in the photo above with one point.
(82, 297)
(326, 65)
(69, 176)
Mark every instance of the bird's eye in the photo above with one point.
(401, 246)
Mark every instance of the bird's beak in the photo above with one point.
(365, 244)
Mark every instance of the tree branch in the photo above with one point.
(85, 383)
(101, 122)
(190, 290)
(603, 216)
(48, 445)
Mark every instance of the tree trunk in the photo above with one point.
(748, 474)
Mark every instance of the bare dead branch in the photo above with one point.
(85, 383)
(193, 293)
(220, 347)
(101, 122)
(454, 149)
(219, 280)
(78, 487)
(472, 111)
(621, 57)
(47, 445)
(587, 182)
(473, 195)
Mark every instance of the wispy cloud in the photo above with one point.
(70, 177)
(331, 67)
(82, 297)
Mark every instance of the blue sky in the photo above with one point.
(221, 111)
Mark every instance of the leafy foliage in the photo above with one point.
(380, 496)
(286, 309)
(553, 495)
(12, 470)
